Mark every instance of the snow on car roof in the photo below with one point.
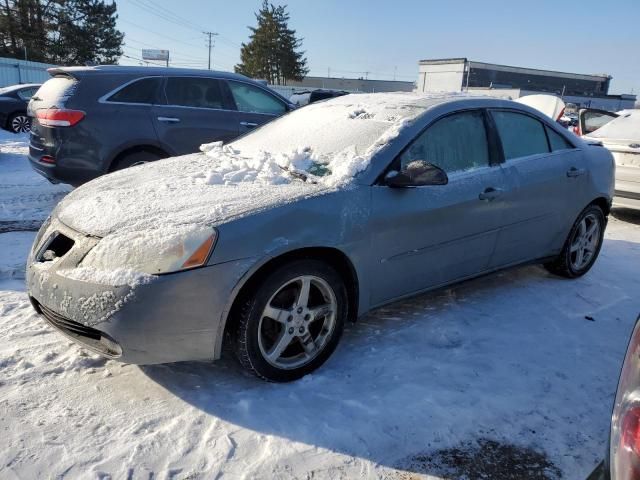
(625, 127)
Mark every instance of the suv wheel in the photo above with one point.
(293, 321)
(135, 158)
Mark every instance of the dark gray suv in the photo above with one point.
(88, 121)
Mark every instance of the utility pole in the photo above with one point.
(210, 44)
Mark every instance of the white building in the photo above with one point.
(461, 74)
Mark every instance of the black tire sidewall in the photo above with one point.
(262, 295)
(567, 248)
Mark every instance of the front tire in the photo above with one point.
(292, 321)
(582, 246)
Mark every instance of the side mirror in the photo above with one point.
(416, 174)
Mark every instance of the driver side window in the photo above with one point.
(454, 143)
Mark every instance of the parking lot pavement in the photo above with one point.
(518, 361)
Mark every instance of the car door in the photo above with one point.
(195, 110)
(255, 105)
(432, 235)
(548, 187)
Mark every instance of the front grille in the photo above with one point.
(90, 337)
(57, 246)
(65, 324)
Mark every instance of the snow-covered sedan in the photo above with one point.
(273, 241)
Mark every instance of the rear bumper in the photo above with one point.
(59, 172)
(175, 317)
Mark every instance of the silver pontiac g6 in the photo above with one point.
(273, 241)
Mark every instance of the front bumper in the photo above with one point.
(175, 317)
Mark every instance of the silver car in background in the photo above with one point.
(272, 242)
(621, 136)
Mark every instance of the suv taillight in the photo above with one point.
(57, 117)
(624, 455)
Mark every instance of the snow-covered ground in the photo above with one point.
(520, 357)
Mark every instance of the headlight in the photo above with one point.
(162, 250)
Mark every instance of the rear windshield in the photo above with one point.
(58, 88)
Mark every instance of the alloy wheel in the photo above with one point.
(297, 322)
(584, 243)
(21, 124)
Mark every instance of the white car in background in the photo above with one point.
(621, 136)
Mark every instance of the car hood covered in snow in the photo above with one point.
(176, 191)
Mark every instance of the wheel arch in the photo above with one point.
(604, 203)
(331, 255)
(135, 149)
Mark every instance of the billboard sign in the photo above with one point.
(155, 54)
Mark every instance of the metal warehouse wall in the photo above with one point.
(13, 71)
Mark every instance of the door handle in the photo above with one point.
(490, 193)
(248, 124)
(169, 119)
(575, 172)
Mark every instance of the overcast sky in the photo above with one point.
(380, 39)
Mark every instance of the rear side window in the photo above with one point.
(194, 92)
(557, 141)
(27, 93)
(141, 91)
(521, 135)
(250, 98)
(455, 143)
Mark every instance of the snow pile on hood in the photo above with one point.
(625, 127)
(311, 150)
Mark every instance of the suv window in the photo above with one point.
(250, 98)
(455, 143)
(521, 134)
(140, 91)
(557, 141)
(194, 92)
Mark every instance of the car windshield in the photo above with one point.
(336, 138)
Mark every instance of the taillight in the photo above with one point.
(48, 159)
(57, 117)
(624, 455)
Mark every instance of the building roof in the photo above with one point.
(532, 71)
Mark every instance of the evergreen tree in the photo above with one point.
(273, 52)
(66, 32)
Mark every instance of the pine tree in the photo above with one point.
(65, 32)
(273, 52)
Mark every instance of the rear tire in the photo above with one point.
(135, 158)
(305, 333)
(19, 123)
(582, 246)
